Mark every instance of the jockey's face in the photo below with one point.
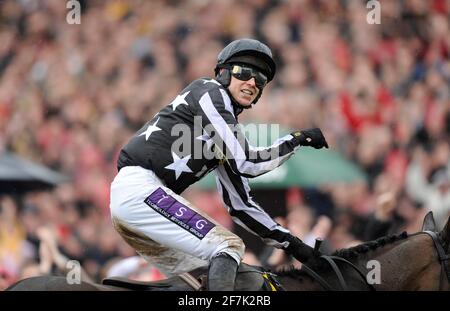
(244, 92)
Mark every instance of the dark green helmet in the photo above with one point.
(248, 51)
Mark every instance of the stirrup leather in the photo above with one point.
(191, 281)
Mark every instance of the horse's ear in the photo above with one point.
(445, 233)
(428, 222)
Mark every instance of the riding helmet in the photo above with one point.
(248, 51)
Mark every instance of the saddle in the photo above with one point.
(248, 278)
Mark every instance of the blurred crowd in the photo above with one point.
(71, 96)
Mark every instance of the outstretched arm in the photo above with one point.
(220, 124)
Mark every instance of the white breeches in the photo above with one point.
(164, 227)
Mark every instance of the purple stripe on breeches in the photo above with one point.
(179, 213)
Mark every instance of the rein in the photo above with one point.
(331, 260)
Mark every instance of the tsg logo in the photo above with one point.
(374, 15)
(74, 15)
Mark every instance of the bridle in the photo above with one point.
(444, 257)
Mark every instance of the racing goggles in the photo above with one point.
(244, 73)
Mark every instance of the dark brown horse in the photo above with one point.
(419, 261)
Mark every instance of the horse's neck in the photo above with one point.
(370, 263)
(387, 267)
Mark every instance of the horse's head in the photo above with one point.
(437, 275)
(420, 262)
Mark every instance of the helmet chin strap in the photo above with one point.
(224, 78)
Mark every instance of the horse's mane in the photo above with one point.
(348, 253)
(356, 251)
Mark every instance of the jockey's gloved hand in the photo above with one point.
(301, 251)
(311, 137)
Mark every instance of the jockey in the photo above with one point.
(158, 163)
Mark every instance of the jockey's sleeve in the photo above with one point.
(221, 125)
(246, 212)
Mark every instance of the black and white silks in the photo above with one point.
(204, 112)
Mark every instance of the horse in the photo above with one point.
(419, 261)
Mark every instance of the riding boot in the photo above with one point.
(222, 273)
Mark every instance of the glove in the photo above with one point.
(301, 251)
(311, 137)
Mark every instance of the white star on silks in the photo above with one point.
(211, 81)
(180, 99)
(207, 139)
(179, 165)
(150, 129)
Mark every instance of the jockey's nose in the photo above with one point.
(252, 82)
